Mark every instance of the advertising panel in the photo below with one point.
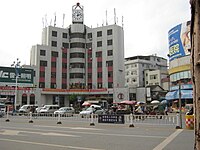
(7, 74)
(179, 41)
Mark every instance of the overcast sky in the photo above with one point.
(146, 23)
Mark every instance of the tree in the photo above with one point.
(195, 68)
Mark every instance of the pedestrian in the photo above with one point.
(166, 110)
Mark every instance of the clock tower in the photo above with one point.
(77, 14)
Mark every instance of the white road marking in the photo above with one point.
(51, 145)
(9, 132)
(168, 140)
(92, 133)
(16, 132)
(76, 128)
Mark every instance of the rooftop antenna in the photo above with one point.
(63, 20)
(55, 19)
(42, 22)
(114, 16)
(46, 24)
(122, 21)
(106, 18)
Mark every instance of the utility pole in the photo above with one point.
(195, 68)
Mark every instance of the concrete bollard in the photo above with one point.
(30, 121)
(178, 122)
(59, 121)
(7, 119)
(131, 120)
(92, 120)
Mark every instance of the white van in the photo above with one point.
(27, 108)
(49, 108)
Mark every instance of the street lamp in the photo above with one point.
(17, 66)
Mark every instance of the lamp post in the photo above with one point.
(179, 125)
(17, 66)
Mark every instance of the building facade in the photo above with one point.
(79, 60)
(138, 73)
(179, 64)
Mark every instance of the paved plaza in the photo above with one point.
(46, 134)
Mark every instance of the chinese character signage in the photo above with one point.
(8, 74)
(179, 41)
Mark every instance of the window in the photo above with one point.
(53, 64)
(41, 85)
(89, 75)
(134, 80)
(53, 86)
(99, 75)
(64, 55)
(110, 74)
(64, 75)
(99, 33)
(77, 35)
(64, 65)
(99, 44)
(153, 77)
(89, 65)
(54, 43)
(43, 63)
(77, 55)
(89, 35)
(109, 42)
(42, 74)
(99, 64)
(54, 54)
(88, 45)
(77, 65)
(54, 33)
(64, 35)
(109, 32)
(98, 54)
(99, 85)
(42, 52)
(110, 85)
(109, 63)
(77, 45)
(65, 45)
(109, 52)
(53, 74)
(76, 75)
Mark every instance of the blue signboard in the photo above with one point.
(179, 41)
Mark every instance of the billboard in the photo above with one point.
(179, 41)
(7, 74)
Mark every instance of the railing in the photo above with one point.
(170, 119)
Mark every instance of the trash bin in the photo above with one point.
(189, 121)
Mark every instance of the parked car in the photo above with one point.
(27, 108)
(89, 110)
(65, 111)
(49, 109)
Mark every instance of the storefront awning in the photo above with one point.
(185, 94)
(170, 95)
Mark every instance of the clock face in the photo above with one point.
(77, 15)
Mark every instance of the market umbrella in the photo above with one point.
(164, 102)
(127, 102)
(140, 103)
(155, 102)
(86, 104)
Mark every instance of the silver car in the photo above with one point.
(65, 111)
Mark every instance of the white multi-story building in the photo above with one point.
(79, 57)
(135, 77)
(135, 67)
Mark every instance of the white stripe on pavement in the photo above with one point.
(46, 144)
(168, 140)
